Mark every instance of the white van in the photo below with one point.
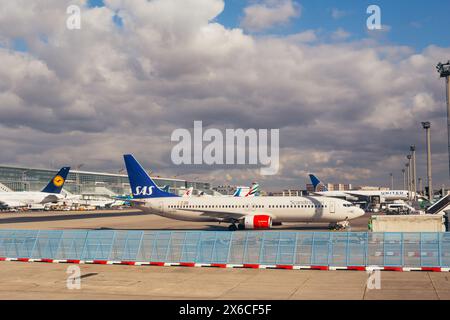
(399, 208)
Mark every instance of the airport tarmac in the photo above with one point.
(132, 219)
(22, 280)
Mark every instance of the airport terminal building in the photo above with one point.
(84, 182)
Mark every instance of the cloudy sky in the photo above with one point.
(348, 101)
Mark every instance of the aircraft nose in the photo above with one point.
(359, 212)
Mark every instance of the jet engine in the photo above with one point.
(258, 222)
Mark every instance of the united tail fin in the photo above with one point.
(318, 185)
(142, 186)
(57, 182)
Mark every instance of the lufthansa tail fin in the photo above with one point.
(57, 182)
(318, 186)
(142, 186)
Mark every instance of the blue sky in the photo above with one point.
(413, 23)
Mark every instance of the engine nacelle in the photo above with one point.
(258, 222)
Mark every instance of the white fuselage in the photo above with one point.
(25, 198)
(280, 209)
(389, 195)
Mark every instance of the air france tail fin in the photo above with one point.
(57, 182)
(318, 185)
(142, 186)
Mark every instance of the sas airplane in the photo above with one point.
(51, 193)
(240, 212)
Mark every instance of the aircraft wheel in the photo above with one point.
(232, 227)
(241, 226)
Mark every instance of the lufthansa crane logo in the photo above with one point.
(58, 181)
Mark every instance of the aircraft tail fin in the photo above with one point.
(142, 186)
(254, 190)
(318, 185)
(57, 182)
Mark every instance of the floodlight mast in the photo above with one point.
(444, 71)
(427, 126)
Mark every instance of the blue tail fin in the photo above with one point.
(142, 186)
(237, 193)
(318, 186)
(57, 183)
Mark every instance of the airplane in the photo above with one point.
(51, 193)
(353, 195)
(240, 212)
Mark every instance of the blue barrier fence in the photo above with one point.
(258, 247)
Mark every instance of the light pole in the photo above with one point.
(414, 178)
(409, 176)
(420, 186)
(404, 179)
(427, 126)
(392, 180)
(444, 71)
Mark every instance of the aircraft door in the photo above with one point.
(332, 207)
(161, 206)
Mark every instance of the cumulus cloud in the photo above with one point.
(269, 13)
(345, 110)
(338, 14)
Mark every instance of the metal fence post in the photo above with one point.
(245, 247)
(401, 250)
(84, 246)
(168, 247)
(311, 258)
(140, 245)
(155, 242)
(199, 245)
(366, 248)
(384, 249)
(439, 237)
(229, 247)
(295, 253)
(214, 248)
(112, 245)
(261, 249)
(330, 248)
(421, 248)
(347, 249)
(34, 245)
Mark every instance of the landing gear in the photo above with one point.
(241, 226)
(232, 227)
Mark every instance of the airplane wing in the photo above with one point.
(12, 204)
(226, 216)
